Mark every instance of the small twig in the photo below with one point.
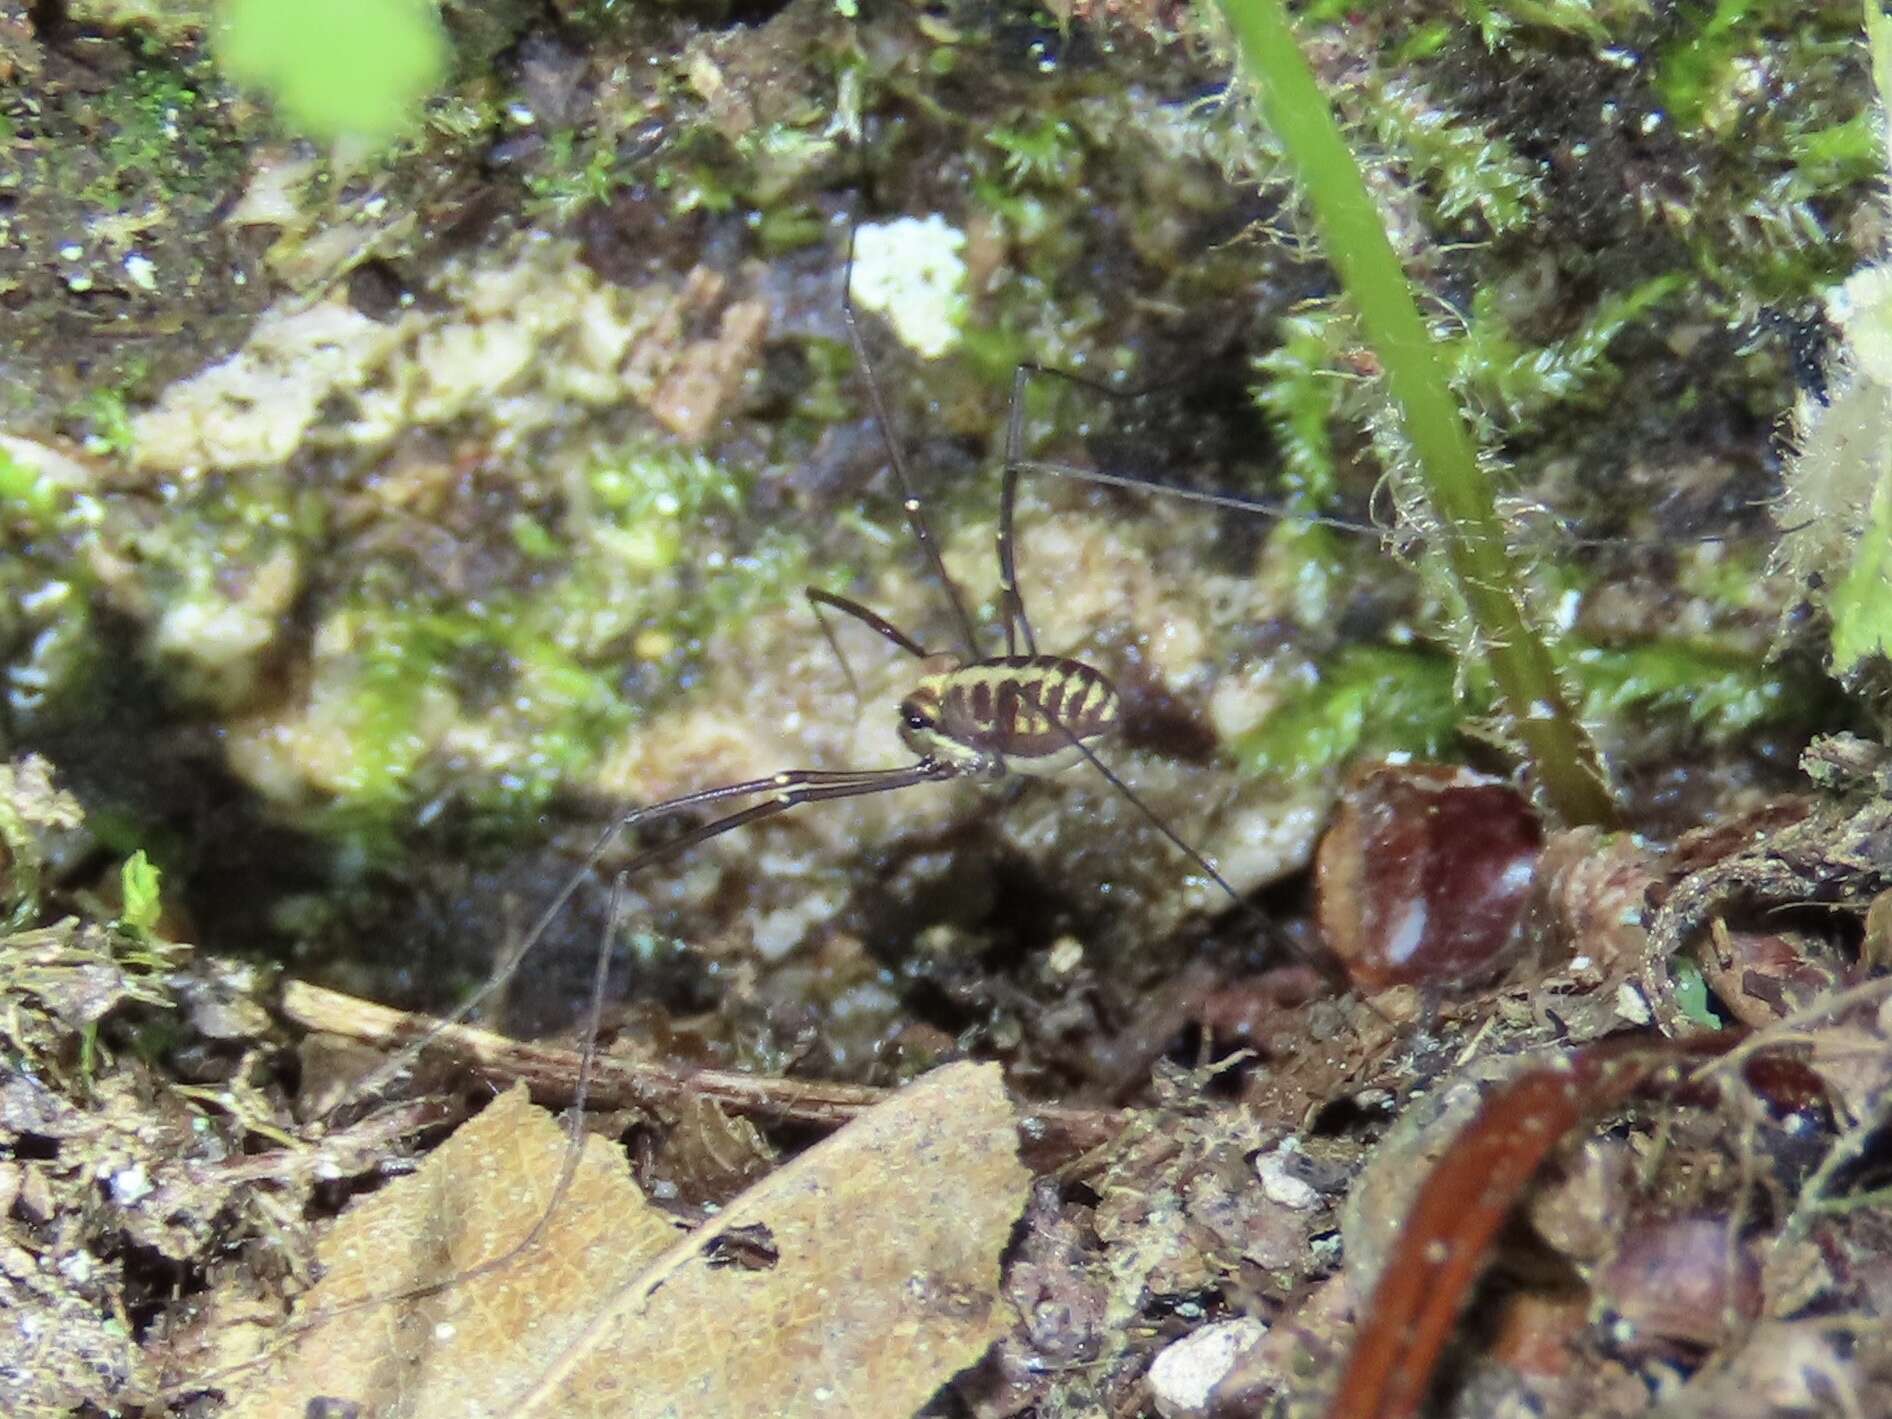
(1050, 1133)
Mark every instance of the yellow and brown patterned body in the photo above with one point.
(1024, 714)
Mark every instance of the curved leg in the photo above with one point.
(873, 620)
(785, 790)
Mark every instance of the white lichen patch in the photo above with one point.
(255, 408)
(221, 628)
(513, 342)
(910, 271)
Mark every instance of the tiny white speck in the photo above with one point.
(444, 1331)
(71, 251)
(131, 1185)
(1541, 709)
(143, 274)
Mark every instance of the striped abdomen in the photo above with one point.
(1023, 710)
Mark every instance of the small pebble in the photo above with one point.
(1185, 1375)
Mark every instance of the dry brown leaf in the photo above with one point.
(887, 1239)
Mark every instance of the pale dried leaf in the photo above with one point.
(887, 1238)
(463, 1350)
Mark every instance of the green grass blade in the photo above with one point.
(1478, 554)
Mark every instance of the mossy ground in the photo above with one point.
(533, 425)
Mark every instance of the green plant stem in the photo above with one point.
(1479, 557)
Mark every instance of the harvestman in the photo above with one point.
(968, 715)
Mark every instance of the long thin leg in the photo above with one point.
(1011, 600)
(1237, 503)
(873, 620)
(787, 789)
(910, 498)
(1155, 819)
(792, 787)
(1232, 501)
(787, 797)
(1016, 464)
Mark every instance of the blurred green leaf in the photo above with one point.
(338, 68)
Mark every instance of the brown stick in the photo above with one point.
(1051, 1134)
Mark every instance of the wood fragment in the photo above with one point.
(1049, 1134)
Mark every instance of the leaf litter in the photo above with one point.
(880, 1280)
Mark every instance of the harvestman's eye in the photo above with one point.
(915, 719)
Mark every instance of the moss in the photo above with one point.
(1721, 693)
(1499, 20)
(1375, 700)
(29, 499)
(577, 171)
(216, 576)
(166, 22)
(1040, 151)
(140, 896)
(1463, 169)
(48, 642)
(498, 703)
(1694, 73)
(1365, 700)
(1763, 223)
(1513, 381)
(105, 414)
(494, 637)
(1302, 391)
(110, 242)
